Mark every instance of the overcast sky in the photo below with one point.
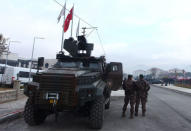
(139, 33)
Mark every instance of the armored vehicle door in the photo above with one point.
(114, 75)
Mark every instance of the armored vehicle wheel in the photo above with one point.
(97, 113)
(32, 115)
(107, 105)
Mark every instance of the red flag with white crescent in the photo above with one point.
(67, 21)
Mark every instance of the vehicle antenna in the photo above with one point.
(74, 14)
(100, 41)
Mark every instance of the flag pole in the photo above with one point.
(77, 30)
(62, 42)
(72, 20)
(62, 39)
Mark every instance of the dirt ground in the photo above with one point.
(183, 85)
(4, 89)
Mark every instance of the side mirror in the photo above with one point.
(40, 62)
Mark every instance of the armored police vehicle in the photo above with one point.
(78, 82)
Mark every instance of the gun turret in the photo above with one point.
(79, 48)
(71, 46)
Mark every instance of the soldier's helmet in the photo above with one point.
(141, 76)
(130, 76)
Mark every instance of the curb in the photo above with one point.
(177, 91)
(11, 116)
(116, 97)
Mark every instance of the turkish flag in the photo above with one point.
(67, 21)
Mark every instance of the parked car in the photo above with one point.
(156, 81)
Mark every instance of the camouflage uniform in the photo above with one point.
(130, 91)
(141, 95)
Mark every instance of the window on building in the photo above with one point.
(2, 70)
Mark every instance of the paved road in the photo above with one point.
(167, 111)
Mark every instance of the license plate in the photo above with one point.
(52, 101)
(52, 96)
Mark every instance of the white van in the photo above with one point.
(10, 73)
(6, 74)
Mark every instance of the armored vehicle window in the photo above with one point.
(115, 68)
(91, 66)
(67, 64)
(95, 66)
(79, 64)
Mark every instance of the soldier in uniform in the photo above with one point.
(141, 94)
(129, 87)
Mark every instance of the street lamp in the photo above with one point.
(8, 50)
(33, 53)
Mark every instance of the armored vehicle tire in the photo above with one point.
(97, 113)
(107, 105)
(32, 115)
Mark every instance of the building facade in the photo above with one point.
(14, 60)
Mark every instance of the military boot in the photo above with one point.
(123, 114)
(136, 113)
(131, 116)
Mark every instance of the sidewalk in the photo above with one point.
(118, 93)
(175, 88)
(11, 109)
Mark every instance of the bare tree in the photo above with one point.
(3, 47)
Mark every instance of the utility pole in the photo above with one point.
(32, 54)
